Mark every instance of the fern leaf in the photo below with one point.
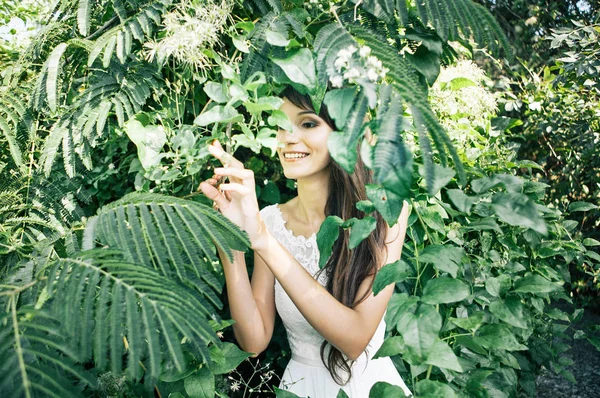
(13, 146)
(54, 65)
(83, 17)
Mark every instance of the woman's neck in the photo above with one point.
(312, 198)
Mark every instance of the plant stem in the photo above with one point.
(19, 349)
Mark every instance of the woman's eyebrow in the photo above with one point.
(306, 112)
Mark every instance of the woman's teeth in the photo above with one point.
(295, 155)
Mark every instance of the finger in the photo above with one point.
(213, 194)
(235, 187)
(242, 174)
(227, 159)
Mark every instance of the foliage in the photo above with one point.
(559, 107)
(114, 96)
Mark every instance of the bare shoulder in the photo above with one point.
(288, 208)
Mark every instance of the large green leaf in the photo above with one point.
(510, 311)
(339, 103)
(518, 209)
(360, 230)
(386, 202)
(445, 258)
(226, 358)
(420, 330)
(384, 389)
(149, 141)
(445, 290)
(299, 68)
(394, 272)
(391, 346)
(497, 336)
(200, 384)
(536, 284)
(442, 356)
(326, 237)
(434, 389)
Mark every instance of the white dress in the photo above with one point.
(305, 374)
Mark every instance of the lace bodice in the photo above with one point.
(303, 338)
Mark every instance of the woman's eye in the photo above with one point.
(309, 124)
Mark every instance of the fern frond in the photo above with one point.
(35, 358)
(452, 19)
(53, 67)
(390, 151)
(173, 236)
(129, 298)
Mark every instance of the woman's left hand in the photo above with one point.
(238, 201)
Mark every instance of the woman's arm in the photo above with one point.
(348, 329)
(252, 304)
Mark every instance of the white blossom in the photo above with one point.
(372, 75)
(352, 73)
(365, 51)
(336, 81)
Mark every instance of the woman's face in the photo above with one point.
(303, 151)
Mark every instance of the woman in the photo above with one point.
(334, 322)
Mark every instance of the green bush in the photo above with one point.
(111, 291)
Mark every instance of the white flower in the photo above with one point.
(336, 81)
(352, 73)
(372, 75)
(373, 61)
(340, 63)
(535, 106)
(364, 51)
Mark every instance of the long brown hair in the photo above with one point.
(346, 269)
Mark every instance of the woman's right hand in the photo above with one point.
(223, 201)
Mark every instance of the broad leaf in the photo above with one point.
(229, 355)
(391, 346)
(299, 68)
(518, 209)
(200, 384)
(383, 389)
(360, 230)
(386, 202)
(149, 141)
(445, 290)
(510, 311)
(497, 336)
(326, 237)
(420, 329)
(434, 389)
(445, 258)
(536, 284)
(397, 271)
(442, 356)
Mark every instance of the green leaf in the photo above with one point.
(510, 182)
(341, 152)
(383, 389)
(445, 290)
(459, 83)
(218, 114)
(536, 284)
(341, 394)
(472, 322)
(263, 104)
(590, 242)
(425, 62)
(441, 177)
(386, 202)
(391, 346)
(365, 206)
(498, 336)
(483, 224)
(442, 356)
(445, 258)
(394, 272)
(434, 389)
(498, 286)
(279, 393)
(230, 353)
(149, 141)
(510, 311)
(200, 384)
(280, 119)
(339, 103)
(360, 230)
(217, 92)
(276, 39)
(582, 206)
(54, 67)
(461, 201)
(240, 42)
(420, 330)
(299, 68)
(326, 237)
(518, 209)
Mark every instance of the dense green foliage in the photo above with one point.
(115, 292)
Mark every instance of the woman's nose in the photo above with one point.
(287, 137)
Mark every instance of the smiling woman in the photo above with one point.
(333, 321)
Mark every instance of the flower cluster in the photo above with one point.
(18, 33)
(355, 64)
(189, 29)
